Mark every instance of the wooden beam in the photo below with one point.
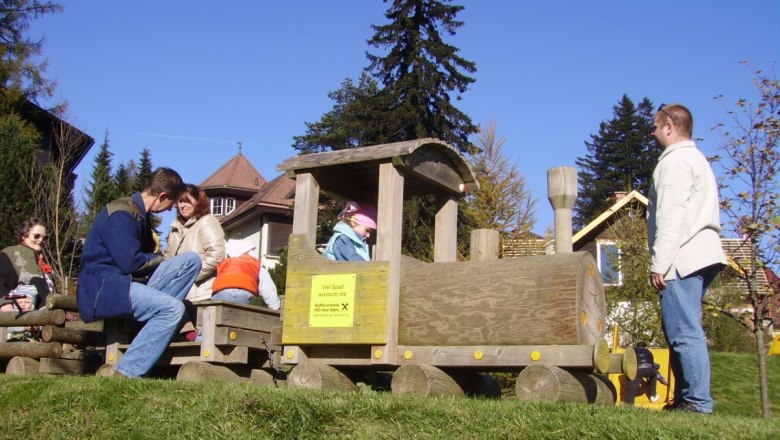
(445, 247)
(35, 350)
(307, 195)
(63, 302)
(68, 366)
(52, 333)
(484, 245)
(32, 318)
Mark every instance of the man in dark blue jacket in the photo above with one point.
(118, 252)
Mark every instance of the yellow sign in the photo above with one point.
(332, 300)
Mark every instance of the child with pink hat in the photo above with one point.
(348, 242)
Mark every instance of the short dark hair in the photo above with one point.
(24, 229)
(202, 205)
(680, 117)
(642, 344)
(165, 180)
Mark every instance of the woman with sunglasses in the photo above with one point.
(24, 275)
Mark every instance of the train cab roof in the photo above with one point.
(429, 166)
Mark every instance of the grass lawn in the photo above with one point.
(93, 407)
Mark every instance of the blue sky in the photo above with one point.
(190, 79)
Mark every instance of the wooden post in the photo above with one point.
(484, 244)
(562, 192)
(319, 377)
(32, 318)
(22, 366)
(388, 248)
(445, 240)
(307, 197)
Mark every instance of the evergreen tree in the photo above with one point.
(21, 77)
(123, 180)
(101, 187)
(18, 161)
(420, 71)
(143, 171)
(354, 121)
(621, 157)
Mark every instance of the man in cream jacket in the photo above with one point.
(683, 223)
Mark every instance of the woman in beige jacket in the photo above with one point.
(196, 230)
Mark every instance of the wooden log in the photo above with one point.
(598, 388)
(52, 333)
(22, 366)
(475, 384)
(266, 378)
(35, 350)
(63, 302)
(32, 318)
(68, 366)
(424, 380)
(544, 383)
(200, 371)
(106, 370)
(319, 377)
(629, 365)
(562, 192)
(96, 326)
(540, 300)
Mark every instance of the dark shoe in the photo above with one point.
(670, 406)
(688, 407)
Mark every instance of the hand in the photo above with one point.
(657, 281)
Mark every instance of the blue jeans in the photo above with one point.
(681, 319)
(233, 295)
(159, 304)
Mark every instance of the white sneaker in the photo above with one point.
(654, 398)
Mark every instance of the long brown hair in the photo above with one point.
(202, 205)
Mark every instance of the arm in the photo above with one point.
(268, 290)
(673, 189)
(344, 250)
(8, 277)
(122, 240)
(212, 239)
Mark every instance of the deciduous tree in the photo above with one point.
(749, 158)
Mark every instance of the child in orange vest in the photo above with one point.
(240, 277)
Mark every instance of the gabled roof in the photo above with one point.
(276, 196)
(737, 252)
(236, 174)
(600, 223)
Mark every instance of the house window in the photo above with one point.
(223, 205)
(609, 263)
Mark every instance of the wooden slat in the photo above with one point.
(370, 312)
(494, 357)
(241, 337)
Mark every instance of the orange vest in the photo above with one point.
(241, 272)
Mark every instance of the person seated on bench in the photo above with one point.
(23, 265)
(120, 248)
(348, 242)
(240, 277)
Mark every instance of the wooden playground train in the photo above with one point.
(430, 329)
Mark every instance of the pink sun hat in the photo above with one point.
(366, 216)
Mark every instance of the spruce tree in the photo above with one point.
(18, 162)
(143, 171)
(101, 187)
(621, 157)
(123, 180)
(21, 72)
(420, 72)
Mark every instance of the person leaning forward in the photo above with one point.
(683, 226)
(119, 251)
